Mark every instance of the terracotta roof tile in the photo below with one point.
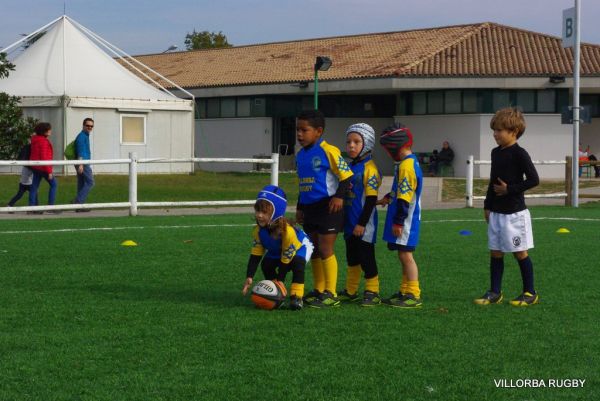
(485, 49)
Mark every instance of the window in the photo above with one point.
(452, 102)
(546, 100)
(500, 99)
(213, 108)
(133, 129)
(435, 102)
(526, 100)
(228, 107)
(419, 102)
(243, 107)
(470, 101)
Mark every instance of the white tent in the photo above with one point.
(67, 75)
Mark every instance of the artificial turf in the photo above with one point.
(84, 318)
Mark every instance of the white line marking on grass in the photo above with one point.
(72, 230)
(483, 220)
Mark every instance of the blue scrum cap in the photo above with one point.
(276, 197)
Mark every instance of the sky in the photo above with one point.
(152, 26)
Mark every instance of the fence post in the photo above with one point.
(569, 180)
(470, 181)
(132, 183)
(275, 169)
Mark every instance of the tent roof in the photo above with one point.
(65, 61)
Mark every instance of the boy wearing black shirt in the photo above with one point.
(509, 221)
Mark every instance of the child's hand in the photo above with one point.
(383, 201)
(502, 188)
(397, 230)
(247, 285)
(486, 214)
(335, 205)
(358, 230)
(299, 216)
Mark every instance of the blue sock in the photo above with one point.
(496, 271)
(527, 274)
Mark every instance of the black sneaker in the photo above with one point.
(370, 298)
(296, 303)
(395, 296)
(408, 301)
(325, 300)
(345, 296)
(526, 299)
(311, 296)
(490, 297)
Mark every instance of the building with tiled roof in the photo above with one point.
(443, 82)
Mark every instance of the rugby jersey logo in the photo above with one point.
(342, 165)
(404, 187)
(316, 163)
(289, 253)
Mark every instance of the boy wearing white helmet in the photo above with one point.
(360, 216)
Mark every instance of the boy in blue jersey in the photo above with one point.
(324, 178)
(280, 245)
(360, 215)
(403, 218)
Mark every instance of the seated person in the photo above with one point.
(443, 158)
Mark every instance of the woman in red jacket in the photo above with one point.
(41, 149)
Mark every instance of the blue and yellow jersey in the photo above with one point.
(320, 170)
(365, 182)
(408, 184)
(294, 242)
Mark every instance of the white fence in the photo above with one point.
(133, 204)
(469, 190)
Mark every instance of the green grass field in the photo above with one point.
(84, 318)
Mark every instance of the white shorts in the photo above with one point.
(510, 232)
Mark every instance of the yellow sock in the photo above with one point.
(318, 276)
(330, 270)
(372, 284)
(413, 288)
(297, 289)
(353, 279)
(404, 284)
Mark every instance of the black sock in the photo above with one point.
(496, 271)
(527, 274)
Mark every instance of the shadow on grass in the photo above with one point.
(184, 296)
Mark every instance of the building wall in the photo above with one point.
(232, 137)
(168, 135)
(545, 139)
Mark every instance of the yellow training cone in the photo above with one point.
(562, 231)
(129, 243)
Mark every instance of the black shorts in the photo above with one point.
(318, 219)
(397, 247)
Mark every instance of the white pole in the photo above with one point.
(275, 169)
(575, 200)
(133, 184)
(470, 181)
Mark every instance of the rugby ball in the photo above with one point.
(267, 294)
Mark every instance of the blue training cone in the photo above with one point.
(465, 232)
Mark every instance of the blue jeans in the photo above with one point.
(85, 182)
(35, 185)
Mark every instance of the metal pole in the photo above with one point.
(133, 184)
(316, 89)
(275, 169)
(470, 181)
(575, 200)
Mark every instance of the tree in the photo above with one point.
(15, 129)
(206, 40)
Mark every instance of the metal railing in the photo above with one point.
(133, 204)
(469, 190)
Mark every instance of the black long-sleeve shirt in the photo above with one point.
(514, 166)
